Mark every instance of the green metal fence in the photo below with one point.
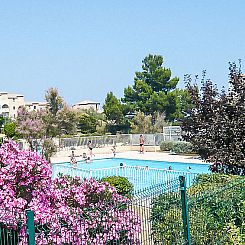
(217, 213)
(13, 229)
(211, 211)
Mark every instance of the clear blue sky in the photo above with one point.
(86, 48)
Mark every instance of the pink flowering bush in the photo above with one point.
(67, 210)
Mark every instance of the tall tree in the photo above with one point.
(113, 109)
(67, 120)
(216, 123)
(142, 124)
(55, 101)
(151, 91)
(60, 118)
(87, 123)
(30, 126)
(114, 112)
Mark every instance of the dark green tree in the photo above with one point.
(216, 123)
(114, 113)
(152, 89)
(113, 109)
(87, 123)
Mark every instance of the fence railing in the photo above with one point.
(167, 213)
(141, 177)
(13, 226)
(170, 134)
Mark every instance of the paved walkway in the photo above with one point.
(159, 156)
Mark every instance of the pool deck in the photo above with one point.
(157, 156)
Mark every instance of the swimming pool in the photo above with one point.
(141, 173)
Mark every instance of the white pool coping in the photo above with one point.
(156, 156)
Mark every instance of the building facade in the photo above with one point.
(86, 105)
(10, 103)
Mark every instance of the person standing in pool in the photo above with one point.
(142, 142)
(90, 147)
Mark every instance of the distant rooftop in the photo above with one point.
(12, 95)
(87, 102)
(35, 102)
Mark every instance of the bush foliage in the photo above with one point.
(122, 185)
(216, 212)
(215, 124)
(67, 210)
(179, 147)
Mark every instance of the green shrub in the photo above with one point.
(216, 212)
(122, 185)
(182, 147)
(178, 147)
(166, 145)
(10, 129)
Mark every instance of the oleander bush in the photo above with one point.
(123, 186)
(178, 147)
(216, 212)
(67, 210)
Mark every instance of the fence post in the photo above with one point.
(30, 227)
(185, 214)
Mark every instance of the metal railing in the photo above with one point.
(15, 226)
(208, 212)
(172, 133)
(140, 177)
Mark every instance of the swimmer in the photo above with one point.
(170, 168)
(146, 167)
(88, 160)
(122, 164)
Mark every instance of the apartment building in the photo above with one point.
(10, 103)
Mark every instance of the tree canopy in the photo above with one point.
(153, 89)
(216, 123)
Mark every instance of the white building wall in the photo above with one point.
(10, 103)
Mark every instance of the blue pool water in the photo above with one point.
(141, 173)
(115, 162)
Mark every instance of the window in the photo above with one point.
(13, 107)
(35, 107)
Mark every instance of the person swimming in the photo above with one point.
(88, 160)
